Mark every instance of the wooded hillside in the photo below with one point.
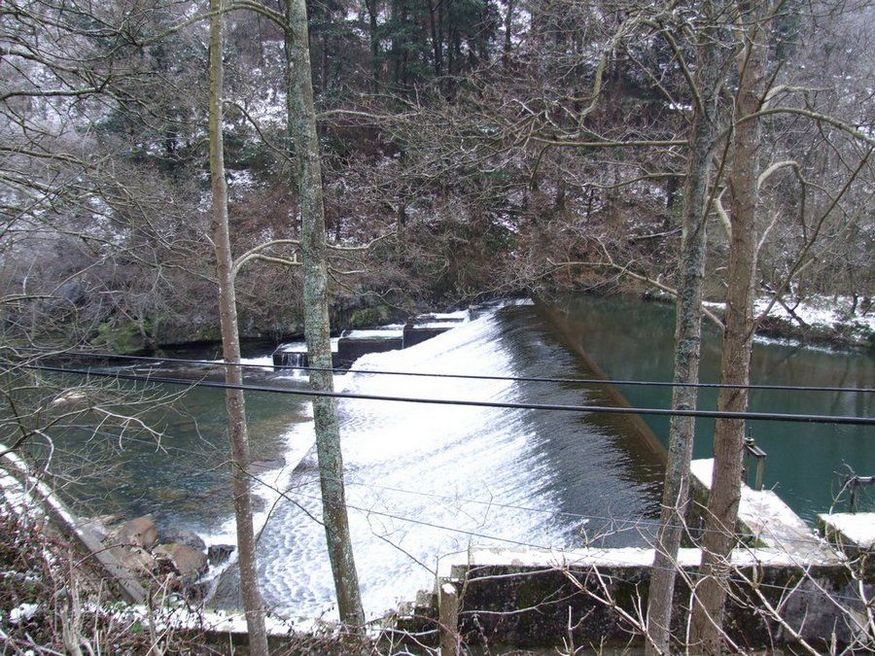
(478, 147)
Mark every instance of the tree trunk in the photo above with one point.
(302, 133)
(374, 36)
(234, 402)
(722, 512)
(508, 34)
(688, 333)
(437, 43)
(399, 18)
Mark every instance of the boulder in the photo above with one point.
(189, 563)
(257, 467)
(183, 536)
(219, 553)
(136, 560)
(139, 532)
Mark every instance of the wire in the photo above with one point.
(621, 524)
(522, 379)
(717, 414)
(523, 543)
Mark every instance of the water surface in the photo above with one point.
(633, 340)
(172, 460)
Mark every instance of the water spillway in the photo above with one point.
(426, 481)
(353, 344)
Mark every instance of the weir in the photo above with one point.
(422, 478)
(353, 344)
(580, 484)
(521, 594)
(789, 583)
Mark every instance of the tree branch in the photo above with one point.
(624, 270)
(255, 253)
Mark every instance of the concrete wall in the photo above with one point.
(787, 583)
(524, 599)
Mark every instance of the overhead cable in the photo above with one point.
(759, 416)
(521, 379)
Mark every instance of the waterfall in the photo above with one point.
(425, 481)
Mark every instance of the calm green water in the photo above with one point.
(179, 473)
(633, 340)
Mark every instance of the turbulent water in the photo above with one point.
(427, 481)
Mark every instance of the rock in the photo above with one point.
(189, 563)
(139, 532)
(257, 467)
(136, 560)
(183, 536)
(111, 520)
(219, 553)
(200, 591)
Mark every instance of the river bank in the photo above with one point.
(822, 321)
(819, 321)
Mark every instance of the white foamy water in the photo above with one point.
(462, 457)
(425, 481)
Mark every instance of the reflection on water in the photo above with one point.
(178, 469)
(632, 340)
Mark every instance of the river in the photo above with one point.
(427, 481)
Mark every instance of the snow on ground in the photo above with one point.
(818, 311)
(22, 613)
(824, 312)
(240, 180)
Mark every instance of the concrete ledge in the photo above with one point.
(34, 493)
(854, 534)
(526, 598)
(531, 560)
(766, 521)
(855, 529)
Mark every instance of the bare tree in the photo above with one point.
(234, 400)
(705, 88)
(302, 133)
(720, 520)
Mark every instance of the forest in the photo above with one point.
(176, 173)
(479, 149)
